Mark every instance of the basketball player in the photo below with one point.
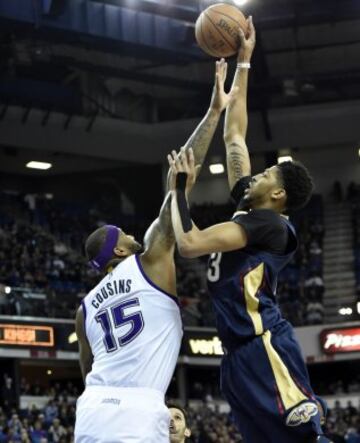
(179, 430)
(263, 374)
(129, 326)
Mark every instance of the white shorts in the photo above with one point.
(106, 414)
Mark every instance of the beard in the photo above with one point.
(136, 247)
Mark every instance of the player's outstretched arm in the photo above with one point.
(86, 357)
(236, 117)
(159, 238)
(193, 242)
(201, 138)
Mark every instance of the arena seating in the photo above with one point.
(55, 422)
(41, 253)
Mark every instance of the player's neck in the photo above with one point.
(264, 205)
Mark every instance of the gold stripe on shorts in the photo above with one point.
(290, 394)
(252, 283)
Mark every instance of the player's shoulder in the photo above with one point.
(261, 214)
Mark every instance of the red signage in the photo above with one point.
(26, 335)
(334, 341)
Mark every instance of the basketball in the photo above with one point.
(216, 30)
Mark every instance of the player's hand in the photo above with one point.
(248, 42)
(183, 162)
(220, 99)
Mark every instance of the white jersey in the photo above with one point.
(134, 330)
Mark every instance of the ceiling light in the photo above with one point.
(7, 290)
(38, 165)
(239, 2)
(217, 168)
(285, 158)
(358, 307)
(49, 372)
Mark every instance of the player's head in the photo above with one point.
(284, 187)
(108, 245)
(179, 430)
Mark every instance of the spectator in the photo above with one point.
(56, 431)
(38, 432)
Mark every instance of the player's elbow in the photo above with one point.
(233, 140)
(187, 249)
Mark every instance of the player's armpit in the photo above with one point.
(86, 357)
(223, 237)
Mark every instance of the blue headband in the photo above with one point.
(107, 251)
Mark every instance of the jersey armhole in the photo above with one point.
(151, 283)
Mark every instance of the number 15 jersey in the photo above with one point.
(134, 330)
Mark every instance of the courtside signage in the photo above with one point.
(334, 341)
(207, 347)
(197, 343)
(26, 335)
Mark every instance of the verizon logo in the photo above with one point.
(341, 340)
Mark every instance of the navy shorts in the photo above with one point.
(266, 383)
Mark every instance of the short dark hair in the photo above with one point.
(95, 242)
(176, 406)
(298, 184)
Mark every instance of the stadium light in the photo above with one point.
(217, 168)
(345, 311)
(239, 2)
(7, 290)
(284, 158)
(38, 165)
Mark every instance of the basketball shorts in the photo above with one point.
(107, 414)
(266, 383)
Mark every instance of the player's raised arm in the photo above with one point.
(160, 238)
(201, 138)
(236, 118)
(191, 241)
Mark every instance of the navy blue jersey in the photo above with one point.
(263, 374)
(243, 282)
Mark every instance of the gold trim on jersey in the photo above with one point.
(252, 283)
(290, 394)
(239, 213)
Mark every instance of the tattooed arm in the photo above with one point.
(236, 118)
(201, 138)
(159, 238)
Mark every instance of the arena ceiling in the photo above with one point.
(109, 58)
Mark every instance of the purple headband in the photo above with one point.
(107, 251)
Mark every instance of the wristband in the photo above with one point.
(243, 65)
(182, 202)
(181, 179)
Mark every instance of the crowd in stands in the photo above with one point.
(54, 423)
(208, 425)
(41, 254)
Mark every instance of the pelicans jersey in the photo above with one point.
(263, 374)
(134, 330)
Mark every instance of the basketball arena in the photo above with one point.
(159, 288)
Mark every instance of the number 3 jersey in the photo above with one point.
(134, 330)
(242, 283)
